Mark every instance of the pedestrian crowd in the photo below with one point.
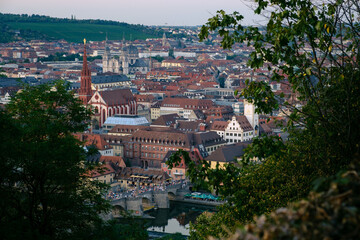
(138, 190)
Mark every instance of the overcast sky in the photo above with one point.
(147, 12)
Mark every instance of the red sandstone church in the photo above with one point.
(105, 103)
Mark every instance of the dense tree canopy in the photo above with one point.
(44, 190)
(314, 46)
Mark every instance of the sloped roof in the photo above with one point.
(187, 126)
(117, 96)
(187, 103)
(264, 128)
(103, 170)
(93, 140)
(116, 160)
(207, 138)
(109, 78)
(219, 125)
(228, 153)
(165, 120)
(172, 138)
(244, 123)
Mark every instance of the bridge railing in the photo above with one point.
(154, 189)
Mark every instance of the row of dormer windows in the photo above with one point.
(159, 141)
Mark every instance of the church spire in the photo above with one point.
(85, 92)
(85, 66)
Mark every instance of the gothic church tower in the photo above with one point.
(85, 92)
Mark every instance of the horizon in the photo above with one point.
(151, 13)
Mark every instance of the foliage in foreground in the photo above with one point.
(44, 189)
(331, 214)
(314, 45)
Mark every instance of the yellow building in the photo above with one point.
(155, 112)
(105, 174)
(227, 154)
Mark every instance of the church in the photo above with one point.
(104, 103)
(127, 63)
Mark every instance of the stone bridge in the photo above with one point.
(160, 199)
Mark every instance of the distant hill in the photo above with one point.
(16, 27)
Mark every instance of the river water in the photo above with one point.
(176, 218)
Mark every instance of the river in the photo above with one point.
(176, 218)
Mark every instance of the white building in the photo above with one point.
(239, 128)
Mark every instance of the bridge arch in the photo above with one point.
(146, 203)
(171, 195)
(118, 211)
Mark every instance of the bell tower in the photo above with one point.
(85, 92)
(252, 116)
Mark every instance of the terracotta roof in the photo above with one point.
(116, 160)
(244, 123)
(93, 140)
(187, 103)
(117, 96)
(165, 138)
(102, 170)
(219, 125)
(144, 98)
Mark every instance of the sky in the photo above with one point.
(146, 12)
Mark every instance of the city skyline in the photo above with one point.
(155, 12)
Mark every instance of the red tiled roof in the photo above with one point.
(102, 170)
(93, 139)
(187, 103)
(219, 125)
(118, 96)
(244, 123)
(116, 160)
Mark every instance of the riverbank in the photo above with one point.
(198, 202)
